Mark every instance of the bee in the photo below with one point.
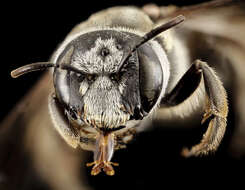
(114, 72)
(103, 87)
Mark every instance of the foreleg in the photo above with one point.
(216, 108)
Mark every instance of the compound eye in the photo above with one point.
(151, 77)
(67, 83)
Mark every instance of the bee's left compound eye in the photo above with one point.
(151, 77)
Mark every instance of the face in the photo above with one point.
(102, 97)
(102, 80)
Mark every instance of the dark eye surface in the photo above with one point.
(151, 77)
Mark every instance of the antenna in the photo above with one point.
(42, 66)
(148, 36)
(153, 33)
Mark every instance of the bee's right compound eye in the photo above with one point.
(67, 83)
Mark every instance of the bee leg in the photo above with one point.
(216, 109)
(184, 88)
